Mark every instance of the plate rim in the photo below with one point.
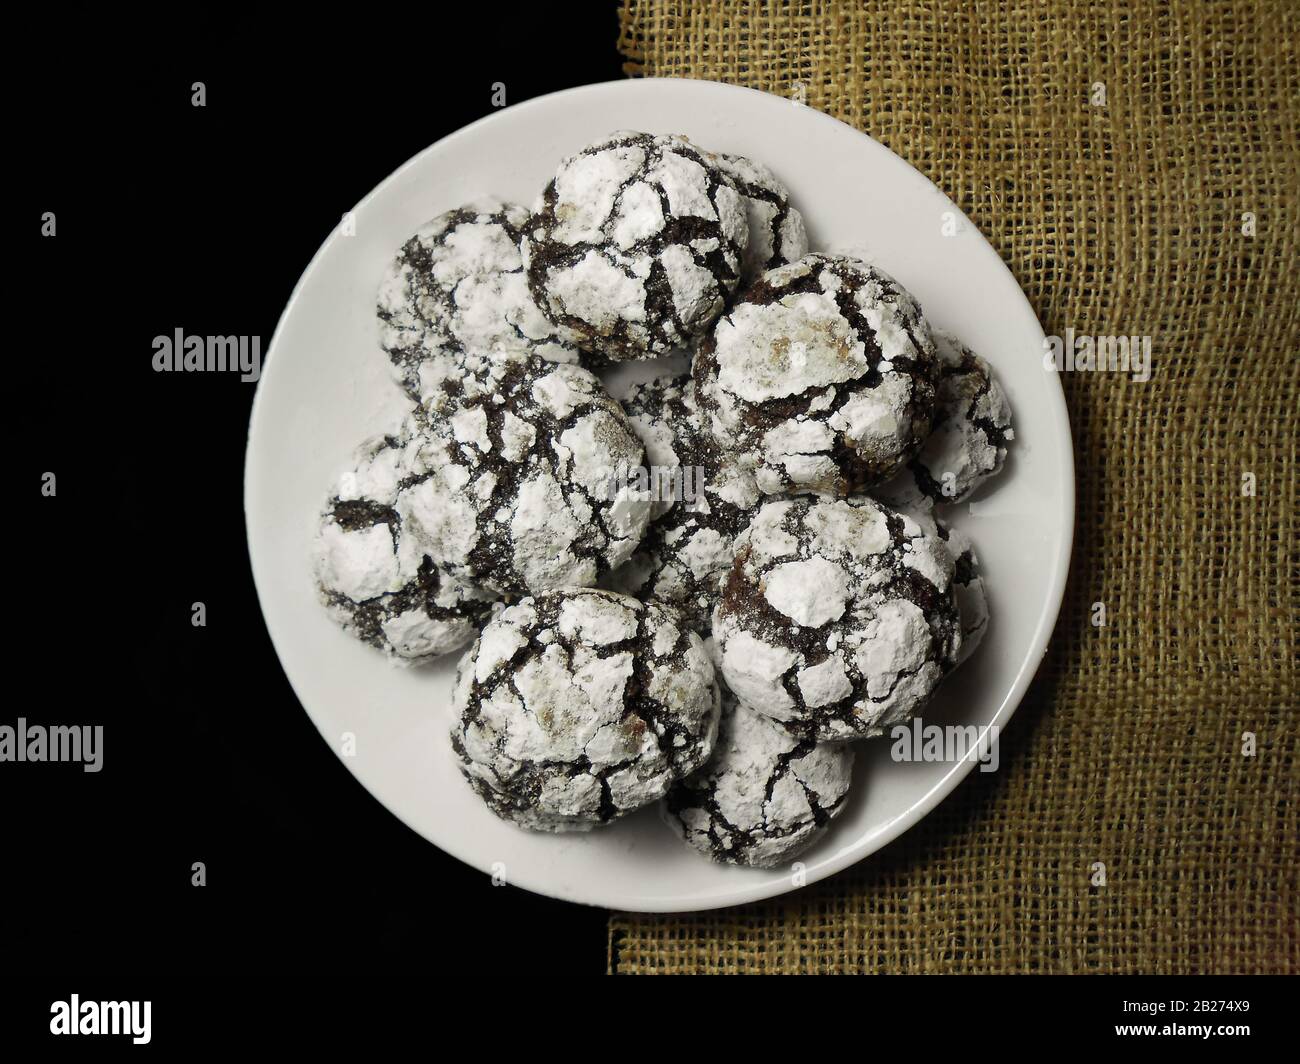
(1044, 625)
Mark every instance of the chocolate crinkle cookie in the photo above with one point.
(821, 377)
(839, 617)
(458, 286)
(972, 599)
(636, 244)
(579, 706)
(967, 580)
(662, 414)
(372, 576)
(523, 491)
(689, 548)
(968, 444)
(776, 230)
(764, 796)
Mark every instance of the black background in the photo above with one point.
(174, 216)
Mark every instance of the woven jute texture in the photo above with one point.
(1128, 215)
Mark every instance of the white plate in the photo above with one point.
(326, 387)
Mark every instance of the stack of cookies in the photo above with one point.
(702, 591)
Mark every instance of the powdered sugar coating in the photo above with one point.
(636, 243)
(968, 444)
(579, 706)
(776, 229)
(372, 576)
(838, 618)
(458, 286)
(764, 796)
(689, 548)
(521, 493)
(821, 377)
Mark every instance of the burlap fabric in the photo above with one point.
(1117, 217)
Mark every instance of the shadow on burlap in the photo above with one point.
(1122, 218)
